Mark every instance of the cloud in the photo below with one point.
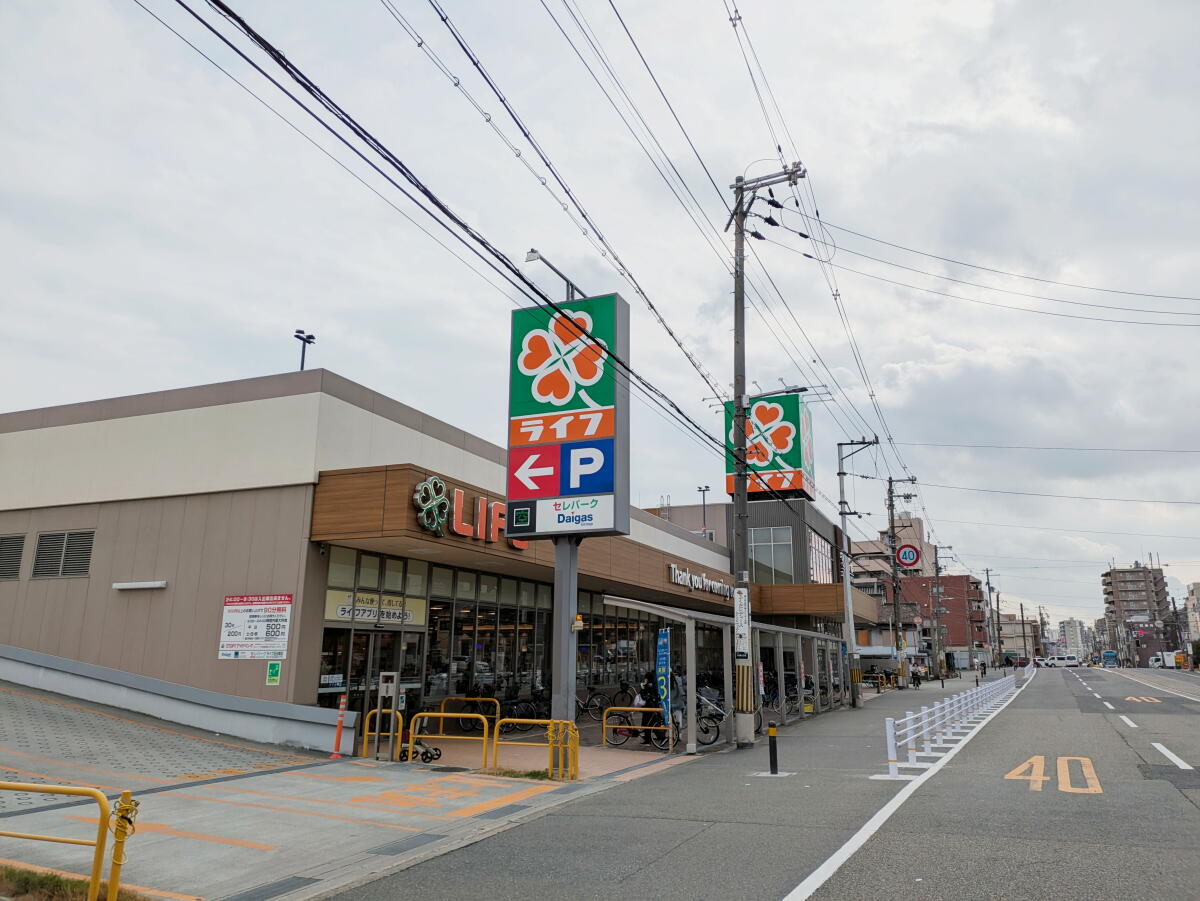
(160, 228)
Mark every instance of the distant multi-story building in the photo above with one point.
(1072, 637)
(1192, 605)
(1135, 599)
(1020, 637)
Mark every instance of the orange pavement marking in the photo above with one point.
(501, 801)
(80, 766)
(306, 800)
(299, 813)
(164, 829)
(55, 780)
(336, 778)
(33, 868)
(112, 716)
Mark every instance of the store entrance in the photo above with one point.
(374, 651)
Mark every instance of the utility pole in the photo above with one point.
(1024, 638)
(901, 667)
(995, 618)
(742, 656)
(847, 605)
(937, 613)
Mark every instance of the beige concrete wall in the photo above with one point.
(206, 546)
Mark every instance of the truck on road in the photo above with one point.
(1110, 659)
(1165, 660)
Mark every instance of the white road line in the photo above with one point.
(1128, 722)
(1108, 705)
(1158, 687)
(833, 863)
(1096, 696)
(1174, 758)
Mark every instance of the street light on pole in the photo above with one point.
(535, 256)
(704, 490)
(304, 340)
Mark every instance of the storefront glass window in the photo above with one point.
(526, 616)
(442, 583)
(465, 586)
(368, 571)
(508, 592)
(437, 669)
(341, 567)
(416, 578)
(485, 649)
(393, 575)
(462, 663)
(506, 646)
(489, 588)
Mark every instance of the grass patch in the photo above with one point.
(520, 774)
(29, 885)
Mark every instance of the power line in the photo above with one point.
(1072, 531)
(1072, 497)
(1118, 450)
(975, 300)
(1032, 278)
(527, 134)
(959, 281)
(498, 260)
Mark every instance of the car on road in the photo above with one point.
(1063, 660)
(1040, 661)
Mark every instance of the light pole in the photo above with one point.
(704, 490)
(304, 340)
(535, 256)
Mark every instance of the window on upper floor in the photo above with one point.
(771, 555)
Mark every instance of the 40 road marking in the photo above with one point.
(1033, 771)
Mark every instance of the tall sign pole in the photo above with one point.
(898, 623)
(568, 447)
(844, 512)
(742, 656)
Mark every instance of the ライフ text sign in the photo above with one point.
(255, 627)
(779, 447)
(568, 426)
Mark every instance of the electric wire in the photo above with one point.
(1033, 278)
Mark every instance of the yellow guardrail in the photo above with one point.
(122, 826)
(413, 732)
(604, 724)
(562, 744)
(495, 716)
(393, 736)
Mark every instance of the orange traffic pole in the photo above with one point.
(337, 735)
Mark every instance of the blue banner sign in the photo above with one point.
(663, 673)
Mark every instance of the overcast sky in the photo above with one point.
(160, 228)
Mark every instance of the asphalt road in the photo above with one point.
(1101, 813)
(1115, 817)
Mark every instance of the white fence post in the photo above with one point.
(889, 733)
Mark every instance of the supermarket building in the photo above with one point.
(223, 555)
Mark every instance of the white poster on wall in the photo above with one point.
(255, 627)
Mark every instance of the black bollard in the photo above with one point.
(774, 750)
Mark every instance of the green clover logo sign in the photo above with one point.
(433, 507)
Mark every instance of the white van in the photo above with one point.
(1063, 660)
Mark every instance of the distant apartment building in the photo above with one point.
(1135, 600)
(1020, 637)
(1192, 605)
(1072, 637)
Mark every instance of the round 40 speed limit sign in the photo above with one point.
(908, 555)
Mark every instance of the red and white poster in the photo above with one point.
(255, 627)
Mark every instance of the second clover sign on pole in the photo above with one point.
(568, 447)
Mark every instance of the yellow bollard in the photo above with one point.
(122, 827)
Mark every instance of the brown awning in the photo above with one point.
(825, 601)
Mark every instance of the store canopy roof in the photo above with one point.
(713, 619)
